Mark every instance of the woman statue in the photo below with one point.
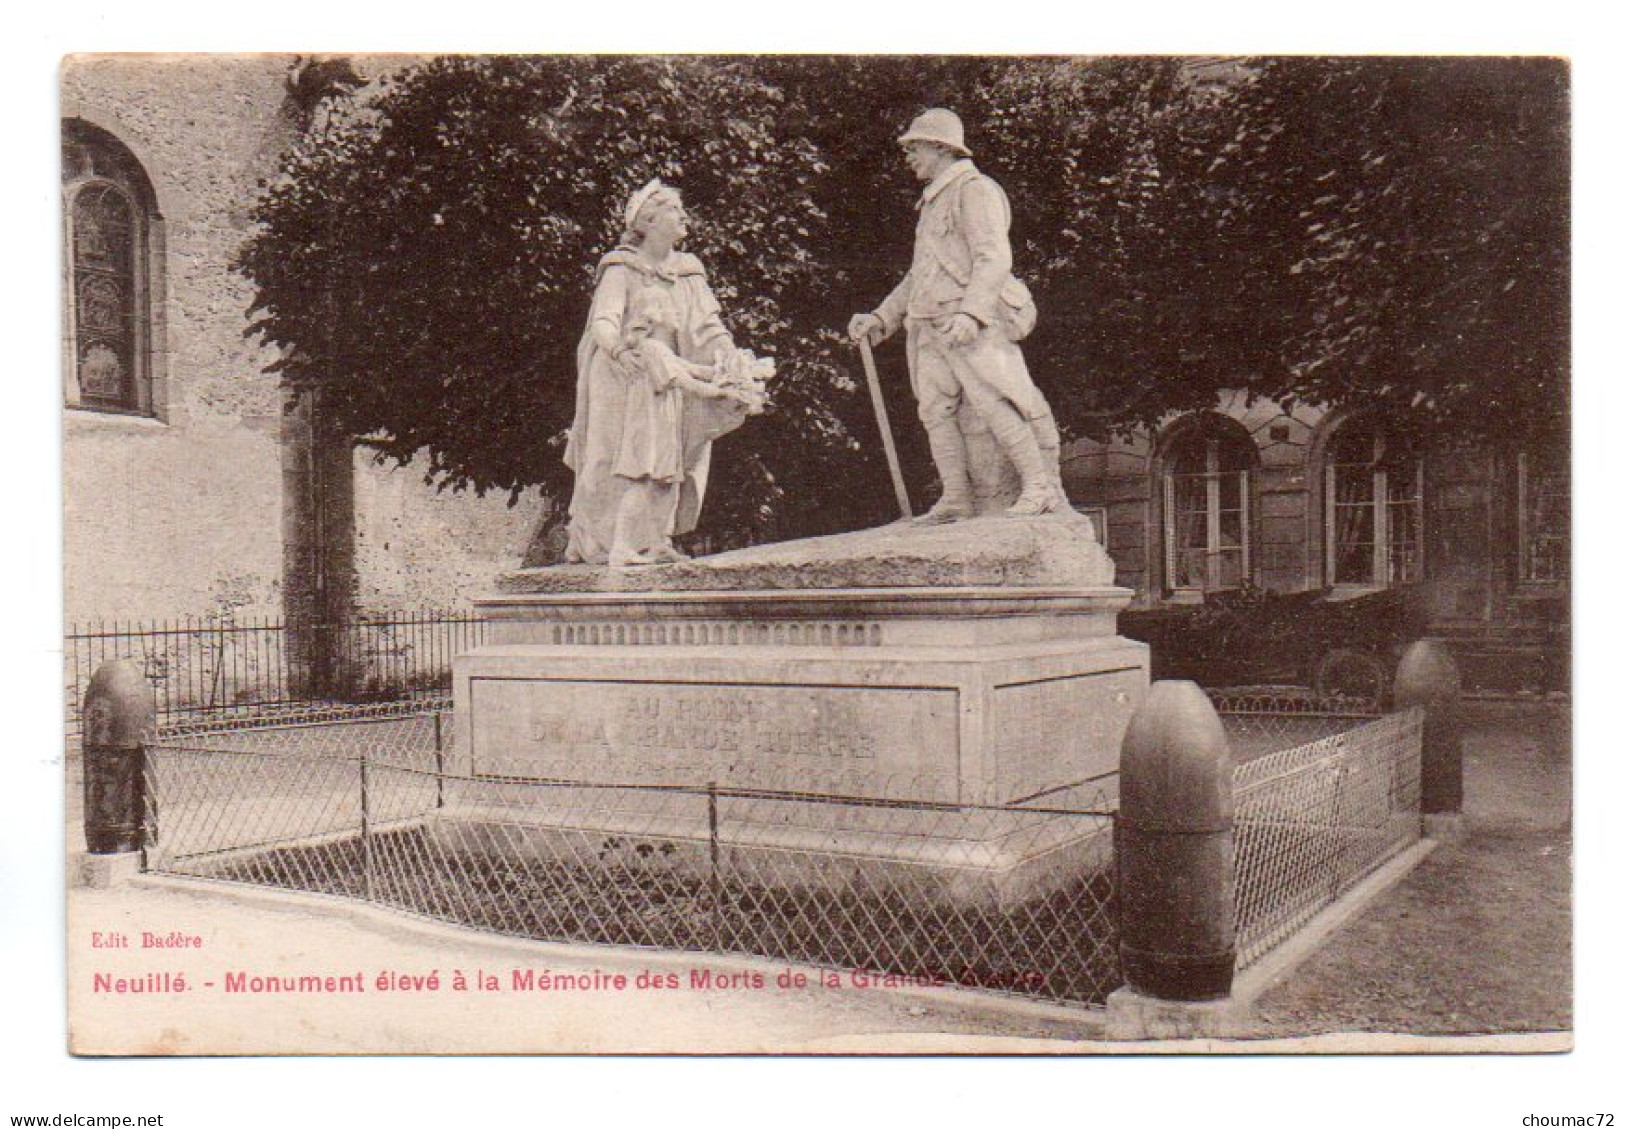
(631, 496)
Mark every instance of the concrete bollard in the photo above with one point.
(120, 716)
(1176, 848)
(1428, 677)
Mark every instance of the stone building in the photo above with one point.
(193, 484)
(1249, 495)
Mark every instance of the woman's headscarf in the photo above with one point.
(655, 192)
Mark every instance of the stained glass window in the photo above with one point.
(108, 202)
(104, 284)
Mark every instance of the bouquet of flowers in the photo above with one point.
(744, 376)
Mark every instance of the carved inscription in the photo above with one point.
(746, 734)
(715, 632)
(741, 722)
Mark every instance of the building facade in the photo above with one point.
(194, 485)
(1251, 496)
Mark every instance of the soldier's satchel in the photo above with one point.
(1018, 313)
(1017, 310)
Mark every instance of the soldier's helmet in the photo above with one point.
(940, 127)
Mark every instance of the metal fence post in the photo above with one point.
(1340, 834)
(120, 715)
(716, 866)
(366, 833)
(439, 760)
(1176, 858)
(1428, 677)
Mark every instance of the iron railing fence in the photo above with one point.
(1314, 819)
(229, 666)
(912, 890)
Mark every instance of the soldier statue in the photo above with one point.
(964, 313)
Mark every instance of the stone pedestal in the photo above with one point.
(973, 670)
(103, 872)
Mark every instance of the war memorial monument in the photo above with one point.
(966, 658)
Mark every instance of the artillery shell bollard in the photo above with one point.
(120, 715)
(1428, 677)
(1176, 866)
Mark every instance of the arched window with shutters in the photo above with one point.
(110, 222)
(1206, 509)
(1373, 507)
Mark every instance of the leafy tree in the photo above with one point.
(427, 260)
(1424, 204)
(1332, 230)
(1141, 272)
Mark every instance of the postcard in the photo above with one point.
(887, 554)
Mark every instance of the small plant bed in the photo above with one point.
(1060, 946)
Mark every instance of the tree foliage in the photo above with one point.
(427, 260)
(1423, 205)
(1329, 230)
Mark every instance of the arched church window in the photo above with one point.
(108, 205)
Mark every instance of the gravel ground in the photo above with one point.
(1478, 938)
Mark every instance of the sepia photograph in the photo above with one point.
(913, 564)
(887, 554)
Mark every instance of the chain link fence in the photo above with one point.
(224, 790)
(1313, 819)
(1010, 898)
(1260, 720)
(1014, 898)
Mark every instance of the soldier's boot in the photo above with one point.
(1020, 446)
(948, 452)
(1049, 446)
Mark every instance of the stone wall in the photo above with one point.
(1116, 476)
(416, 547)
(180, 514)
(183, 514)
(1283, 537)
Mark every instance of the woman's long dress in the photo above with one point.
(602, 405)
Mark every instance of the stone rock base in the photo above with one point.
(905, 766)
(987, 859)
(1447, 828)
(1131, 1017)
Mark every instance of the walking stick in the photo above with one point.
(885, 426)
